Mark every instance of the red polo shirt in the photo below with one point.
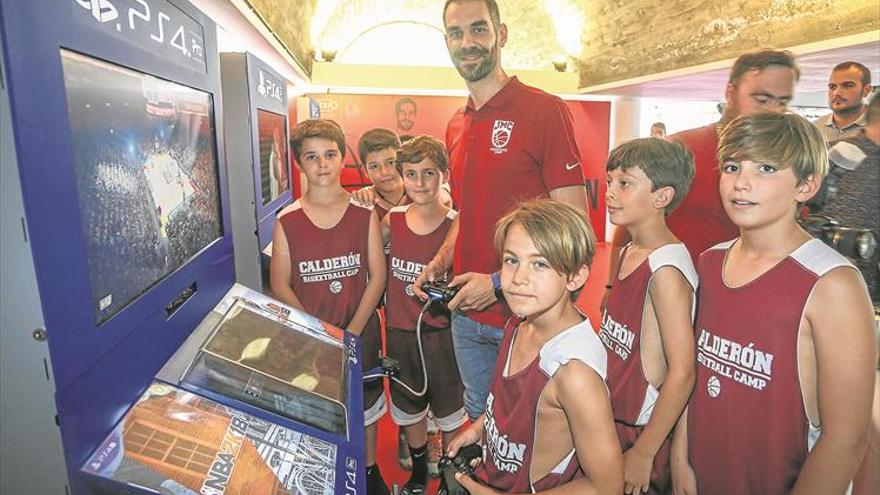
(700, 221)
(520, 145)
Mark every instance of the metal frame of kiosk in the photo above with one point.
(255, 101)
(74, 361)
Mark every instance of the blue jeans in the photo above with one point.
(476, 350)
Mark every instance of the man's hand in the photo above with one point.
(476, 292)
(636, 472)
(683, 480)
(365, 196)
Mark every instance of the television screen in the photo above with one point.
(146, 176)
(273, 154)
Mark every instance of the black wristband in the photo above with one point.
(608, 286)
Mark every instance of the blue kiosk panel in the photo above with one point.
(115, 111)
(256, 124)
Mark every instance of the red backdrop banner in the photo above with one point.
(415, 115)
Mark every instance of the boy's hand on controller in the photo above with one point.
(430, 273)
(476, 292)
(474, 487)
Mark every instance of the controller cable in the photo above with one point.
(389, 369)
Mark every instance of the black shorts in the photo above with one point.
(445, 393)
(371, 350)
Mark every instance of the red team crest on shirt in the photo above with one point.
(501, 132)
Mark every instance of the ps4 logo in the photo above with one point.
(350, 475)
(102, 10)
(269, 88)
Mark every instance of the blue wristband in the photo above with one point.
(496, 281)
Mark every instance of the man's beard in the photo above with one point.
(481, 69)
(850, 109)
(405, 124)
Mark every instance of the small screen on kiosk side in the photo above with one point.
(273, 154)
(146, 176)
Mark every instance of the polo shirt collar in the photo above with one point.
(862, 121)
(502, 97)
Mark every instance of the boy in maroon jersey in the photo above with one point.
(378, 153)
(647, 322)
(327, 259)
(548, 420)
(784, 330)
(416, 231)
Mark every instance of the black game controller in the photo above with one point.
(461, 463)
(439, 291)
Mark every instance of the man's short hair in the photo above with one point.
(866, 73)
(760, 61)
(784, 140)
(492, 5)
(560, 233)
(316, 128)
(658, 125)
(376, 140)
(666, 163)
(422, 147)
(403, 101)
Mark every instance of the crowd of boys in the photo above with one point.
(735, 354)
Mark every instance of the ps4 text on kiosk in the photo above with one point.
(117, 248)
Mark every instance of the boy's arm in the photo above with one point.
(672, 299)
(840, 317)
(440, 263)
(584, 398)
(376, 273)
(472, 434)
(683, 480)
(280, 269)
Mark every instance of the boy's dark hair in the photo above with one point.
(784, 140)
(316, 128)
(376, 140)
(666, 163)
(559, 231)
(760, 61)
(422, 147)
(866, 73)
(492, 5)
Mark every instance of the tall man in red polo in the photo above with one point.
(510, 143)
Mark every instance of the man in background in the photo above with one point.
(658, 130)
(848, 86)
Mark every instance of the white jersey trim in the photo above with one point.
(723, 245)
(296, 205)
(819, 258)
(675, 255)
(399, 209)
(579, 342)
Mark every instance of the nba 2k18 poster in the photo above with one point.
(177, 443)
